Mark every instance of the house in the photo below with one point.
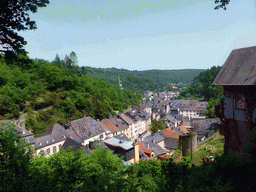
(122, 145)
(156, 138)
(113, 130)
(145, 152)
(188, 108)
(88, 129)
(205, 127)
(120, 124)
(170, 121)
(139, 120)
(238, 111)
(51, 140)
(154, 147)
(171, 139)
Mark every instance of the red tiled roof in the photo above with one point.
(144, 149)
(168, 132)
(109, 126)
(183, 128)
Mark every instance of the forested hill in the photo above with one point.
(143, 80)
(28, 85)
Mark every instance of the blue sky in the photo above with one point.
(142, 34)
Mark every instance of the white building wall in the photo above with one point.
(50, 147)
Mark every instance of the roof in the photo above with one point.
(154, 147)
(169, 132)
(204, 126)
(169, 118)
(126, 119)
(144, 149)
(73, 135)
(86, 127)
(171, 139)
(109, 126)
(183, 128)
(54, 134)
(122, 137)
(116, 142)
(70, 142)
(178, 131)
(155, 137)
(239, 68)
(118, 122)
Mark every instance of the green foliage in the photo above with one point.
(14, 168)
(157, 125)
(210, 112)
(70, 170)
(222, 5)
(15, 16)
(143, 80)
(8, 109)
(27, 85)
(202, 85)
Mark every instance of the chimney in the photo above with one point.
(148, 145)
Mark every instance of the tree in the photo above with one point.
(222, 5)
(15, 155)
(73, 58)
(157, 125)
(14, 16)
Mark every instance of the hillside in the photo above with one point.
(28, 85)
(143, 80)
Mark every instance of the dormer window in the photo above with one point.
(52, 139)
(40, 144)
(23, 132)
(47, 141)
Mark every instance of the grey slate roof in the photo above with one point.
(239, 68)
(169, 118)
(86, 127)
(157, 137)
(171, 142)
(54, 134)
(70, 142)
(119, 123)
(126, 119)
(156, 148)
(178, 131)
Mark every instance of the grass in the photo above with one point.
(217, 143)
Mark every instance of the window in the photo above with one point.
(54, 149)
(240, 101)
(48, 150)
(59, 147)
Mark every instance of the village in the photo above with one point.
(128, 133)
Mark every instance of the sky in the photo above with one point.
(142, 34)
